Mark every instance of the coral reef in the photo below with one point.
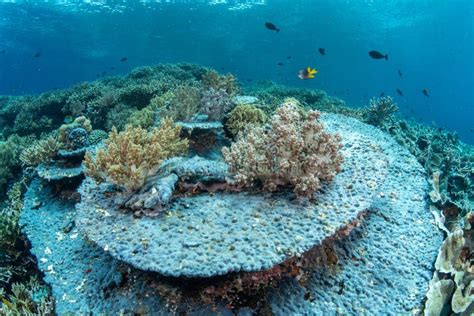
(215, 104)
(41, 151)
(193, 187)
(10, 164)
(10, 214)
(342, 284)
(75, 134)
(30, 298)
(16, 264)
(184, 105)
(226, 83)
(244, 115)
(452, 286)
(379, 110)
(295, 151)
(440, 152)
(130, 156)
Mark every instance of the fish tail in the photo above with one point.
(386, 57)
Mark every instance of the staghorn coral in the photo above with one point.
(228, 83)
(242, 116)
(294, 151)
(40, 151)
(130, 156)
(215, 104)
(379, 110)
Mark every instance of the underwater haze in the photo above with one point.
(429, 41)
(237, 157)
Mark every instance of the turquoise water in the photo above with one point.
(232, 157)
(430, 42)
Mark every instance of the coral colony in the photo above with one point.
(174, 190)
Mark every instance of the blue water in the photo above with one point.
(429, 41)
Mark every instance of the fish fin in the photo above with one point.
(278, 30)
(386, 57)
(308, 70)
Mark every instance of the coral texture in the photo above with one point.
(215, 104)
(227, 83)
(75, 134)
(294, 151)
(184, 104)
(379, 110)
(242, 116)
(40, 152)
(130, 156)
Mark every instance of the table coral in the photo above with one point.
(293, 151)
(131, 155)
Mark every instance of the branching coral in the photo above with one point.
(228, 83)
(294, 151)
(10, 151)
(130, 156)
(30, 298)
(40, 152)
(379, 110)
(184, 104)
(242, 116)
(9, 216)
(215, 104)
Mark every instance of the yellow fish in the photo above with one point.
(307, 73)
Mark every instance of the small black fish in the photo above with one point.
(426, 93)
(112, 68)
(382, 94)
(37, 55)
(123, 59)
(281, 64)
(400, 92)
(322, 51)
(399, 73)
(471, 130)
(271, 27)
(377, 55)
(288, 57)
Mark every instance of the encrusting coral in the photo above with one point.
(130, 156)
(242, 116)
(293, 151)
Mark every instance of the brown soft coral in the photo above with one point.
(130, 156)
(293, 151)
